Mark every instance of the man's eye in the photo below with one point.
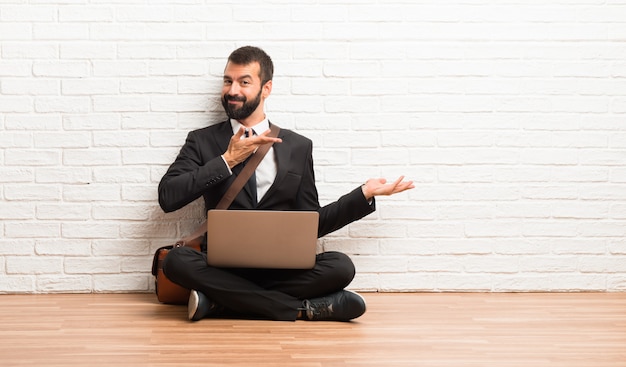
(227, 82)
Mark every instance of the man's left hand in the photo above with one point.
(379, 186)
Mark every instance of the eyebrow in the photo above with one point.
(248, 76)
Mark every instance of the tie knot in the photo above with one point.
(249, 132)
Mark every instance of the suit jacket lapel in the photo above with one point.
(222, 139)
(224, 133)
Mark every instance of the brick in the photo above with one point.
(121, 247)
(63, 212)
(14, 246)
(17, 211)
(33, 192)
(464, 282)
(34, 265)
(60, 69)
(149, 230)
(16, 104)
(90, 265)
(30, 87)
(121, 282)
(68, 175)
(550, 229)
(121, 175)
(86, 193)
(139, 193)
(62, 247)
(15, 68)
(31, 157)
(203, 50)
(407, 246)
(62, 104)
(90, 87)
(174, 32)
(84, 13)
(517, 283)
(121, 103)
(16, 31)
(120, 139)
(122, 212)
(17, 284)
(152, 85)
(167, 139)
(583, 282)
(407, 282)
(178, 104)
(141, 50)
(104, 68)
(64, 284)
(134, 264)
(92, 122)
(351, 246)
(88, 50)
(60, 31)
(164, 120)
(29, 50)
(16, 174)
(148, 156)
(28, 13)
(91, 157)
(435, 264)
(62, 140)
(118, 31)
(89, 230)
(12, 140)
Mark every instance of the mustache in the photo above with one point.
(235, 98)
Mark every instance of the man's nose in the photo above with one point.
(234, 89)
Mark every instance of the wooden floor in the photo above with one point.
(417, 329)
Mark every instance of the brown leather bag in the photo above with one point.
(170, 292)
(166, 290)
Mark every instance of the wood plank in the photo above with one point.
(403, 329)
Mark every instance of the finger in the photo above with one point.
(267, 139)
(405, 186)
(264, 138)
(240, 133)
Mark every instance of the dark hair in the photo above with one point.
(249, 54)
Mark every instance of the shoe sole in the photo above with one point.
(192, 306)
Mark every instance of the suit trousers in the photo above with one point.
(274, 294)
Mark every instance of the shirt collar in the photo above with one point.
(258, 128)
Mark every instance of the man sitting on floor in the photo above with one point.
(210, 160)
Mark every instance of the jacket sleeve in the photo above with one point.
(189, 177)
(347, 209)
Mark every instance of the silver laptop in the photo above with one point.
(262, 239)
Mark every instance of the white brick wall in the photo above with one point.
(509, 115)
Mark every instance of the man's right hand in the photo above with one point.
(240, 149)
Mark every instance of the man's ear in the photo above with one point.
(267, 89)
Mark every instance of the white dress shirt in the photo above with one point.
(267, 168)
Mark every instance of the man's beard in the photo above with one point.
(246, 109)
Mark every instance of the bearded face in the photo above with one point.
(240, 111)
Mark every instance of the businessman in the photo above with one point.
(207, 164)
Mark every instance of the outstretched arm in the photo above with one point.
(379, 186)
